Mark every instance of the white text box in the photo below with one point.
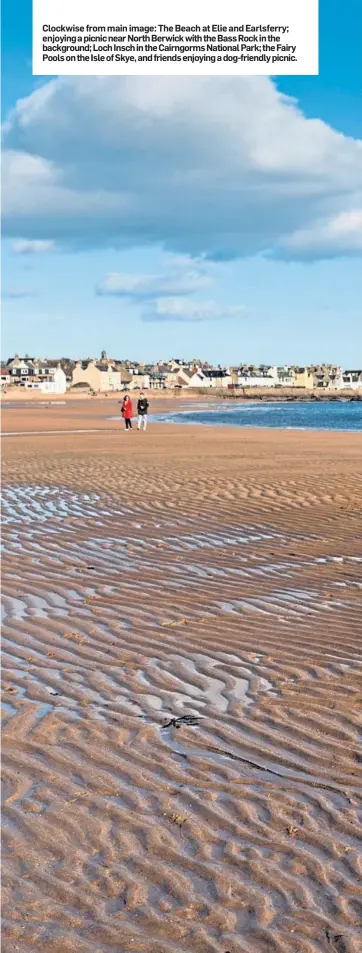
(82, 37)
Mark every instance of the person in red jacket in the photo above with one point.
(127, 412)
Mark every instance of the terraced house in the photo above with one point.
(98, 375)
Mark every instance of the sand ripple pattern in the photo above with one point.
(182, 714)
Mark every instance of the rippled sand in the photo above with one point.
(182, 689)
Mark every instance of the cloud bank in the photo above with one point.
(140, 287)
(216, 167)
(17, 295)
(169, 296)
(24, 246)
(189, 312)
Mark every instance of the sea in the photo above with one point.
(287, 415)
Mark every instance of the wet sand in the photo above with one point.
(182, 687)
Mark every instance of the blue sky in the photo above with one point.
(217, 219)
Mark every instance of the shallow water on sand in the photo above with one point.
(181, 723)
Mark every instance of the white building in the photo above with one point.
(336, 381)
(255, 379)
(190, 378)
(198, 379)
(56, 383)
(352, 379)
(5, 376)
(217, 377)
(285, 377)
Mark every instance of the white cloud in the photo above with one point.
(215, 167)
(16, 295)
(26, 246)
(340, 232)
(152, 286)
(182, 309)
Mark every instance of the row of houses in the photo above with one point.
(103, 375)
(318, 377)
(107, 376)
(49, 377)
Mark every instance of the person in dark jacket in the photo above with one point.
(127, 412)
(142, 410)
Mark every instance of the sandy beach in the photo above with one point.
(182, 685)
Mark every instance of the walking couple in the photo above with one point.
(142, 410)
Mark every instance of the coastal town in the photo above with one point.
(104, 374)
